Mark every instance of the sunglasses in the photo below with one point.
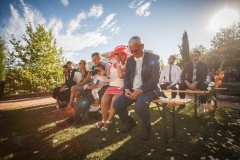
(194, 55)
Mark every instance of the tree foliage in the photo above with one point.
(3, 49)
(184, 50)
(226, 46)
(36, 62)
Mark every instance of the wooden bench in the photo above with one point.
(196, 94)
(169, 103)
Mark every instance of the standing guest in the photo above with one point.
(88, 98)
(172, 75)
(141, 85)
(194, 76)
(77, 89)
(116, 74)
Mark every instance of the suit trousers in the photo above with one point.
(87, 99)
(164, 86)
(141, 107)
(201, 85)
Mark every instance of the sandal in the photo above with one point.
(99, 124)
(106, 126)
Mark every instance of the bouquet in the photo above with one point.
(210, 95)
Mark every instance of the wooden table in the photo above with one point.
(170, 103)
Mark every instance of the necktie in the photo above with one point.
(194, 72)
(170, 79)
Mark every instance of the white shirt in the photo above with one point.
(175, 74)
(114, 79)
(137, 82)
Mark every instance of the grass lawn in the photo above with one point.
(31, 133)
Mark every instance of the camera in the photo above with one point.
(94, 72)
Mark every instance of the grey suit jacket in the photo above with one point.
(150, 73)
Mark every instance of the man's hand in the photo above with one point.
(136, 94)
(62, 89)
(128, 93)
(193, 85)
(169, 87)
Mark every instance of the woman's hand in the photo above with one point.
(117, 59)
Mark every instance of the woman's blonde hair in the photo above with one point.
(85, 63)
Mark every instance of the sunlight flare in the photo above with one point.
(223, 18)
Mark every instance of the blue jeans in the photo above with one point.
(87, 99)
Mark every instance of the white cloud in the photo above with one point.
(55, 25)
(115, 30)
(81, 41)
(74, 24)
(96, 11)
(141, 8)
(65, 2)
(67, 35)
(132, 4)
(108, 19)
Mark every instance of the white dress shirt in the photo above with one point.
(137, 82)
(175, 74)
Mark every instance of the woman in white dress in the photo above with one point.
(116, 73)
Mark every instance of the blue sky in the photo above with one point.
(82, 27)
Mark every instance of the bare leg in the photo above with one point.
(78, 96)
(74, 89)
(112, 110)
(105, 105)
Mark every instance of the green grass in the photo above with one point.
(26, 130)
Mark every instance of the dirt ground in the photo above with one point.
(47, 99)
(27, 102)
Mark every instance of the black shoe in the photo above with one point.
(79, 120)
(146, 133)
(63, 105)
(129, 125)
(66, 122)
(181, 106)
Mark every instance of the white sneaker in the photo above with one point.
(94, 109)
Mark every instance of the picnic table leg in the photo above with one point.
(173, 116)
(195, 104)
(165, 132)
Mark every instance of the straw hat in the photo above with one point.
(122, 49)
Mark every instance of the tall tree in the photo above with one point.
(3, 49)
(184, 50)
(36, 60)
(226, 44)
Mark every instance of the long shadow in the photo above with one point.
(26, 130)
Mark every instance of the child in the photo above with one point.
(101, 80)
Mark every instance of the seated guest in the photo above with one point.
(60, 96)
(116, 74)
(88, 98)
(99, 78)
(70, 80)
(141, 85)
(194, 76)
(77, 89)
(172, 75)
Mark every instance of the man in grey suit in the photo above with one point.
(141, 85)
